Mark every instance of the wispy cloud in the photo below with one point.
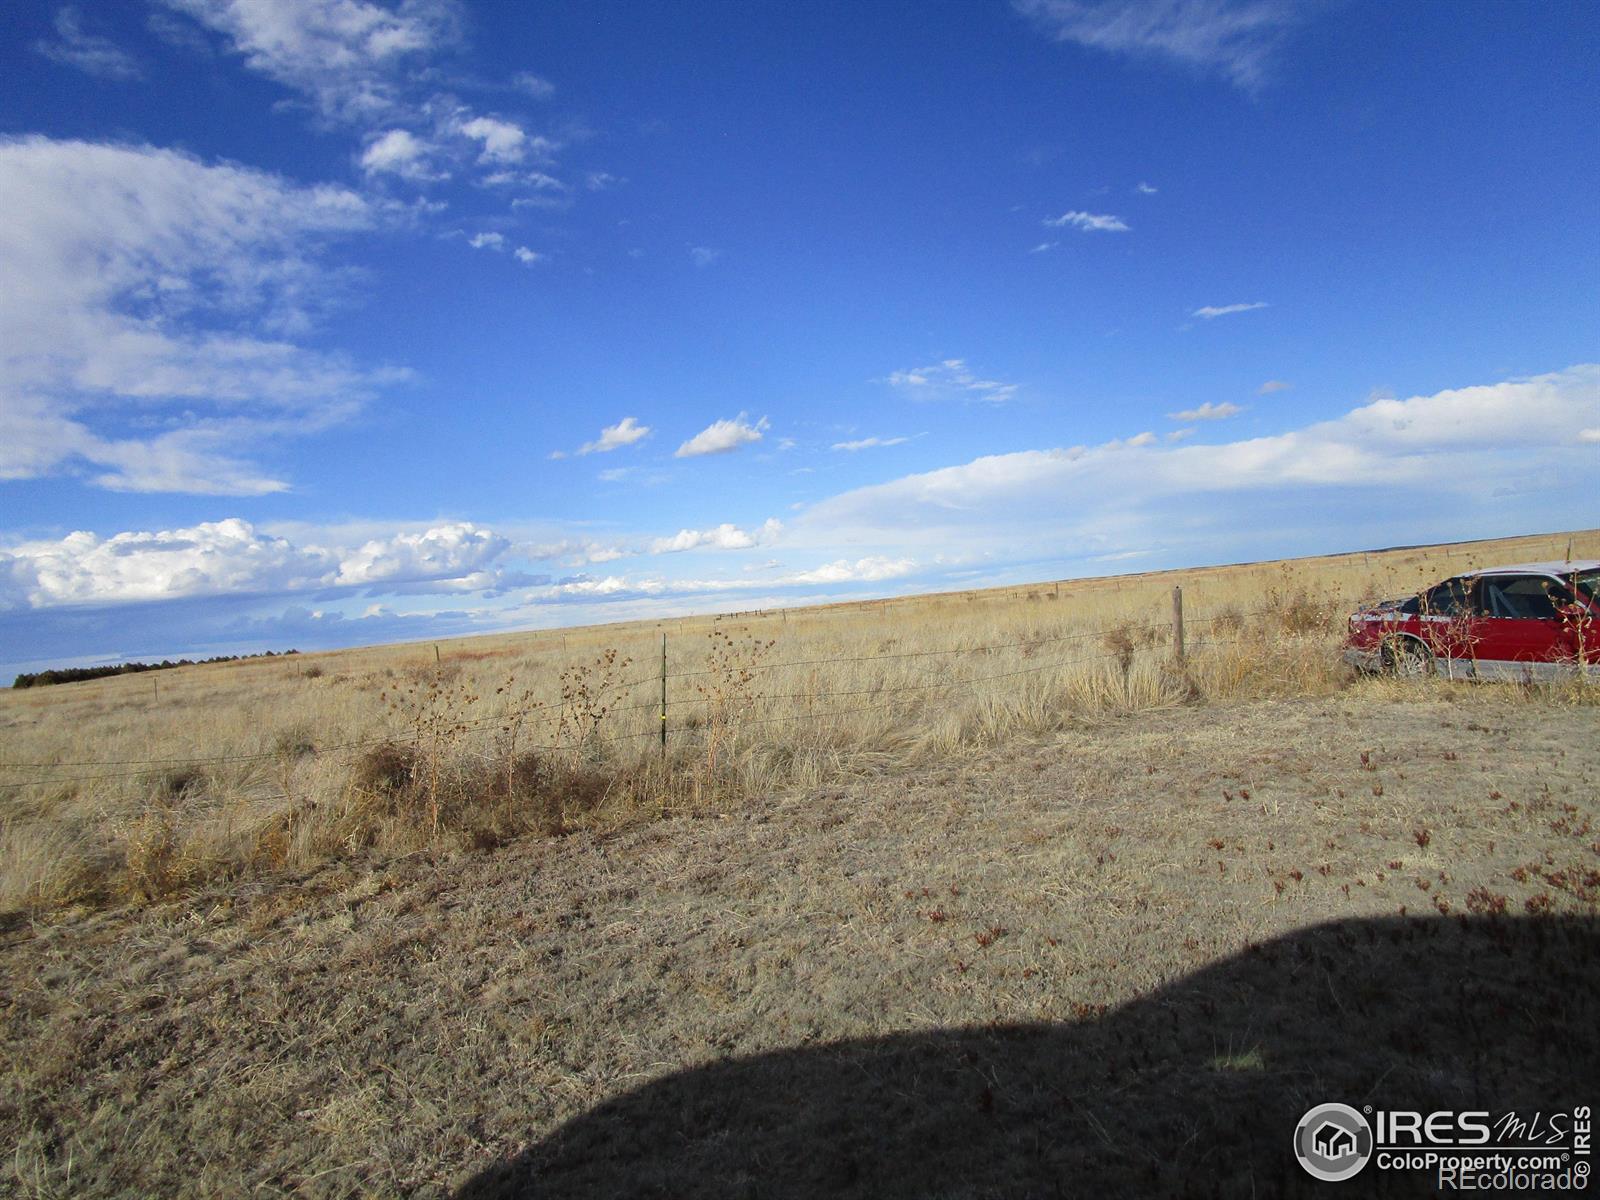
(704, 256)
(723, 436)
(1207, 412)
(1088, 222)
(950, 379)
(203, 277)
(526, 256)
(1144, 189)
(1212, 312)
(868, 443)
(90, 53)
(626, 432)
(1235, 39)
(1044, 247)
(1273, 385)
(375, 70)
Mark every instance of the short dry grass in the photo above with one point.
(1091, 958)
(136, 788)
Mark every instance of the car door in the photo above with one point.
(1522, 631)
(1448, 620)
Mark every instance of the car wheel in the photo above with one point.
(1406, 659)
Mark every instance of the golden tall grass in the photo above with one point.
(285, 763)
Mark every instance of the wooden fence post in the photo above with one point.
(1177, 623)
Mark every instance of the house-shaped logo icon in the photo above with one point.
(1334, 1142)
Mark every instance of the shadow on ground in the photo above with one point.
(1193, 1089)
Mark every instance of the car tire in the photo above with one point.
(1407, 659)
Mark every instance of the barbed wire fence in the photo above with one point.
(1149, 633)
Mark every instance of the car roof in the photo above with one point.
(1557, 567)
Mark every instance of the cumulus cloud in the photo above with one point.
(526, 256)
(723, 537)
(626, 432)
(90, 53)
(232, 557)
(1088, 222)
(1207, 412)
(397, 152)
(502, 141)
(145, 281)
(950, 379)
(1211, 312)
(487, 241)
(723, 436)
(1235, 39)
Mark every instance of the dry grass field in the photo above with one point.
(968, 895)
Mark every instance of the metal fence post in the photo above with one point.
(663, 697)
(1177, 623)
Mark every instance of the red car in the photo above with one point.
(1533, 621)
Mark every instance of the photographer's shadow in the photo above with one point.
(1193, 1089)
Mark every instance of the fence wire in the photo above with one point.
(518, 715)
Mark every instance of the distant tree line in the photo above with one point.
(78, 674)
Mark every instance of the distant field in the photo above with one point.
(973, 895)
(125, 788)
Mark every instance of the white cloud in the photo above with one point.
(1453, 449)
(720, 437)
(1211, 312)
(1589, 435)
(142, 281)
(1141, 439)
(1044, 247)
(89, 53)
(397, 152)
(950, 379)
(723, 537)
(1144, 189)
(599, 181)
(625, 432)
(233, 557)
(534, 85)
(1207, 412)
(487, 241)
(346, 56)
(1088, 222)
(441, 553)
(502, 141)
(1233, 38)
(863, 570)
(704, 256)
(868, 443)
(1273, 385)
(526, 257)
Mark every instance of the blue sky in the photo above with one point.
(334, 321)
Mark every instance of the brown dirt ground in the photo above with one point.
(1117, 961)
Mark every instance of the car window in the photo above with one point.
(1523, 597)
(1449, 599)
(1588, 583)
